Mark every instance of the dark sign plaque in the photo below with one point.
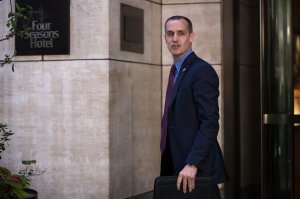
(132, 29)
(50, 28)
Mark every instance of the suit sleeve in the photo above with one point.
(205, 93)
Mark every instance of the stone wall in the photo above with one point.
(58, 107)
(92, 118)
(135, 104)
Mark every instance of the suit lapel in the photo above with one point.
(183, 70)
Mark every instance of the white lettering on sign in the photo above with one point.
(41, 35)
(35, 43)
(41, 26)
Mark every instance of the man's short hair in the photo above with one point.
(178, 17)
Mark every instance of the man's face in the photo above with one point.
(178, 38)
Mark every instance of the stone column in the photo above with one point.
(135, 105)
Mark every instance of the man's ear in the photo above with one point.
(192, 37)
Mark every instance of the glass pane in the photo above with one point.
(278, 141)
(296, 67)
(296, 71)
(279, 161)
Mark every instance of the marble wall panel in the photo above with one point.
(155, 1)
(142, 96)
(6, 47)
(120, 120)
(152, 32)
(89, 30)
(146, 118)
(189, 1)
(206, 19)
(135, 116)
(59, 113)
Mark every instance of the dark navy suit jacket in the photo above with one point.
(193, 120)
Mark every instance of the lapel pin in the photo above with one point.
(183, 69)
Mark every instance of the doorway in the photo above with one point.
(262, 98)
(280, 63)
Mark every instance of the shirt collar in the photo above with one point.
(181, 60)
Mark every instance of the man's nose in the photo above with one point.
(175, 37)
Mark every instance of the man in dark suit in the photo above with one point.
(190, 125)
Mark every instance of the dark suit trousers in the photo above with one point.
(166, 166)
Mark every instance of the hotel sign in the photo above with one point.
(50, 28)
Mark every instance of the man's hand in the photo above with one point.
(187, 177)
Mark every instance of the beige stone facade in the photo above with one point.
(92, 118)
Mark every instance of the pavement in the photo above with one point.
(148, 195)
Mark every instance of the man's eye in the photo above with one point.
(170, 34)
(181, 33)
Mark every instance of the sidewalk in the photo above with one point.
(148, 195)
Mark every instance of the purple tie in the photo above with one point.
(164, 128)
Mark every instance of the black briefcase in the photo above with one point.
(165, 188)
